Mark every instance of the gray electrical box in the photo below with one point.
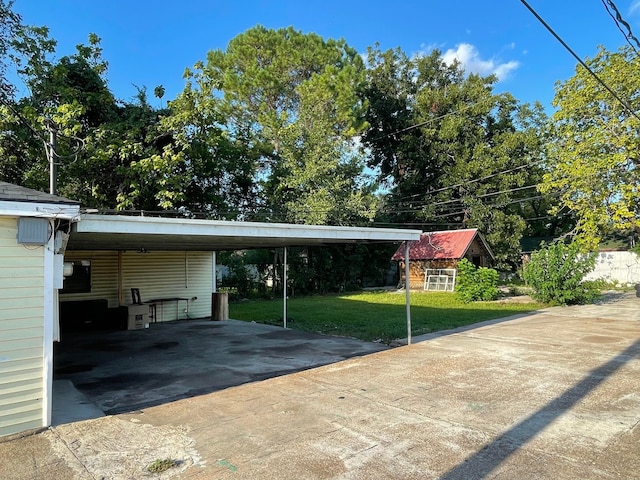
(33, 231)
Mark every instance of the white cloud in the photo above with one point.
(470, 60)
(635, 6)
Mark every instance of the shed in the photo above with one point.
(443, 250)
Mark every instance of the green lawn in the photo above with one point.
(375, 315)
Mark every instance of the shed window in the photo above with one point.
(80, 280)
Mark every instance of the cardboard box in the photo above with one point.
(138, 317)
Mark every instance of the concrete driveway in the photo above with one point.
(550, 395)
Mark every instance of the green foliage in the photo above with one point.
(474, 161)
(556, 273)
(476, 284)
(292, 99)
(239, 283)
(593, 158)
(23, 48)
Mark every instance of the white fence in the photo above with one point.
(620, 267)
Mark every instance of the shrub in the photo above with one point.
(556, 273)
(473, 284)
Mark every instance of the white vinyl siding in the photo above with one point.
(155, 274)
(21, 331)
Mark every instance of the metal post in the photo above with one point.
(284, 288)
(406, 287)
(214, 284)
(51, 157)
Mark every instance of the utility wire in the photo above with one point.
(496, 205)
(527, 165)
(422, 124)
(617, 18)
(456, 200)
(22, 120)
(624, 104)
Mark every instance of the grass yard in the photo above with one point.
(374, 316)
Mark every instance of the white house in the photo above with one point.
(34, 227)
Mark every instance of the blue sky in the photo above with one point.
(148, 43)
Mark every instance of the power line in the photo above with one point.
(459, 212)
(617, 18)
(422, 124)
(457, 200)
(467, 182)
(484, 195)
(624, 104)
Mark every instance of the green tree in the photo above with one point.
(219, 161)
(110, 154)
(451, 152)
(293, 99)
(593, 159)
(23, 48)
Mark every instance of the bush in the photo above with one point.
(473, 284)
(556, 273)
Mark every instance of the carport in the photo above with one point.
(145, 234)
(128, 234)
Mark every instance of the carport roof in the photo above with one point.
(118, 232)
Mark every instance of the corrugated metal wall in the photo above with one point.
(21, 332)
(156, 275)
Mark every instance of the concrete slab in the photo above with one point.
(121, 371)
(70, 405)
(552, 395)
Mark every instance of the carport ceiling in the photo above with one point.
(115, 232)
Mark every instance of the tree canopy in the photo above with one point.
(451, 151)
(288, 126)
(593, 162)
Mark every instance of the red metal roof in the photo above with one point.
(450, 244)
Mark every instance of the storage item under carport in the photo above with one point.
(83, 315)
(219, 306)
(138, 316)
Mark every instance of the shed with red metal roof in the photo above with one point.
(443, 250)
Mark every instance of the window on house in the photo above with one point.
(80, 280)
(476, 260)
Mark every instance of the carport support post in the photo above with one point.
(214, 283)
(406, 287)
(284, 288)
